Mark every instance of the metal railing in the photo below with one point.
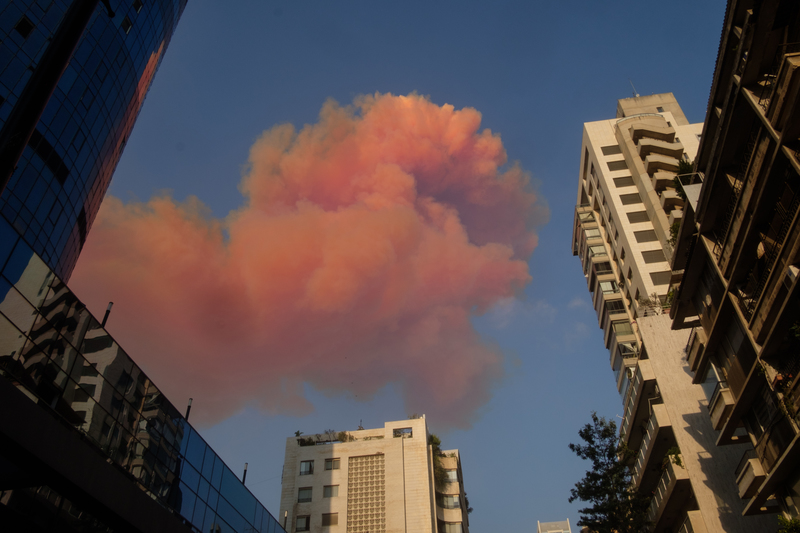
(770, 77)
(686, 527)
(746, 456)
(630, 404)
(721, 385)
(661, 491)
(648, 437)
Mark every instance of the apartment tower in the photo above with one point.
(631, 201)
(739, 255)
(387, 480)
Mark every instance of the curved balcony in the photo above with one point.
(655, 146)
(655, 162)
(652, 130)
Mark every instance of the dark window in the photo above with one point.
(602, 268)
(627, 181)
(404, 433)
(638, 216)
(617, 165)
(137, 5)
(330, 519)
(24, 27)
(306, 468)
(628, 199)
(332, 464)
(304, 495)
(645, 236)
(653, 256)
(303, 523)
(611, 150)
(615, 306)
(330, 491)
(622, 327)
(45, 150)
(661, 278)
(126, 24)
(660, 109)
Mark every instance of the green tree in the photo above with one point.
(615, 506)
(788, 525)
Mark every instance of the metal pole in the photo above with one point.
(188, 410)
(37, 92)
(108, 312)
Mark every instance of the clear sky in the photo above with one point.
(535, 71)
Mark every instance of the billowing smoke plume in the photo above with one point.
(366, 243)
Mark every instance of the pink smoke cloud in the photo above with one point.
(366, 243)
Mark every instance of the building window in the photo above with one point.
(592, 233)
(24, 26)
(645, 236)
(661, 278)
(126, 25)
(448, 501)
(611, 150)
(622, 327)
(306, 468)
(597, 251)
(449, 527)
(304, 495)
(609, 287)
(627, 181)
(452, 476)
(303, 523)
(617, 165)
(137, 5)
(654, 256)
(603, 268)
(330, 491)
(627, 349)
(330, 519)
(637, 217)
(402, 433)
(628, 199)
(332, 464)
(660, 109)
(615, 306)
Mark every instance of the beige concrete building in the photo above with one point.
(631, 201)
(553, 527)
(389, 479)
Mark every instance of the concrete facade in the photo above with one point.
(635, 183)
(371, 480)
(739, 253)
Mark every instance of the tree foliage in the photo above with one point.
(615, 506)
(439, 472)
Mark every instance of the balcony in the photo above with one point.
(670, 200)
(662, 180)
(693, 523)
(695, 347)
(655, 162)
(671, 495)
(658, 437)
(721, 405)
(653, 146)
(651, 130)
(642, 388)
(749, 474)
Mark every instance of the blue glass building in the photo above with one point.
(56, 190)
(88, 443)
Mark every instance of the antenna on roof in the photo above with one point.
(635, 94)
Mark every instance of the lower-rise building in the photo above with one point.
(553, 527)
(388, 480)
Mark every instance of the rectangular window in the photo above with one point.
(304, 495)
(592, 233)
(617, 165)
(611, 150)
(306, 468)
(332, 464)
(402, 433)
(598, 250)
(609, 287)
(654, 256)
(622, 327)
(449, 527)
(603, 268)
(645, 236)
(303, 523)
(627, 181)
(637, 217)
(126, 25)
(627, 349)
(330, 491)
(452, 476)
(586, 217)
(628, 199)
(137, 5)
(660, 109)
(448, 501)
(661, 278)
(615, 306)
(330, 519)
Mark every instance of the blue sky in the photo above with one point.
(536, 71)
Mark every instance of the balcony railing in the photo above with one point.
(630, 404)
(663, 490)
(648, 437)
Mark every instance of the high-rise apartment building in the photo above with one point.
(385, 480)
(56, 190)
(631, 201)
(87, 441)
(738, 253)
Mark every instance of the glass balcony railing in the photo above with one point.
(630, 404)
(662, 491)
